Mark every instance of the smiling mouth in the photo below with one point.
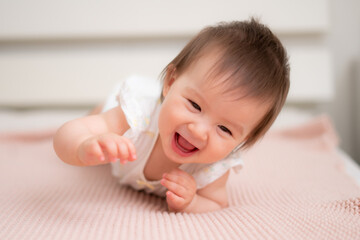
(182, 146)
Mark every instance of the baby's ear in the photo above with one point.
(169, 79)
(167, 85)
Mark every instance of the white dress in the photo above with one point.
(139, 99)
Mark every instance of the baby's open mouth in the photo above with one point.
(183, 144)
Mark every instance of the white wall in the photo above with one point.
(57, 53)
(46, 46)
(344, 40)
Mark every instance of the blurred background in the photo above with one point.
(67, 55)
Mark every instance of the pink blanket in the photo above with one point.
(293, 186)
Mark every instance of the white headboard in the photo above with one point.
(72, 52)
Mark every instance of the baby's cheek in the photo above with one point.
(221, 150)
(178, 115)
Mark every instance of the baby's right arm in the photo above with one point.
(95, 139)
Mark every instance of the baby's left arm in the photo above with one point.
(182, 195)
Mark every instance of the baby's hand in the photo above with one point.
(104, 148)
(181, 189)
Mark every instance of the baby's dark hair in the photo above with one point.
(251, 56)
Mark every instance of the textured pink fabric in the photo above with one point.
(293, 186)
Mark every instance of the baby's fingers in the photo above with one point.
(174, 201)
(123, 153)
(98, 152)
(127, 150)
(174, 187)
(132, 150)
(110, 148)
(90, 152)
(182, 178)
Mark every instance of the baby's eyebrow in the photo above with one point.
(195, 92)
(198, 95)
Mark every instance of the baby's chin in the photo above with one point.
(192, 159)
(177, 160)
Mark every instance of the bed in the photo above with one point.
(296, 184)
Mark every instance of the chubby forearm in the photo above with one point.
(201, 204)
(95, 139)
(69, 137)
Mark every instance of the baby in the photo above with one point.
(218, 96)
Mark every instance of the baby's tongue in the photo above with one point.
(185, 144)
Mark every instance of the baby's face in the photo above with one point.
(198, 122)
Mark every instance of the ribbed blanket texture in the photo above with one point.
(293, 186)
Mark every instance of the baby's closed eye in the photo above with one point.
(195, 105)
(225, 129)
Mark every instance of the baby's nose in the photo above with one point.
(199, 131)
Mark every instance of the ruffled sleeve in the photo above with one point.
(135, 96)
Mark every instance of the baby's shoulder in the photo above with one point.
(139, 87)
(138, 97)
(133, 90)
